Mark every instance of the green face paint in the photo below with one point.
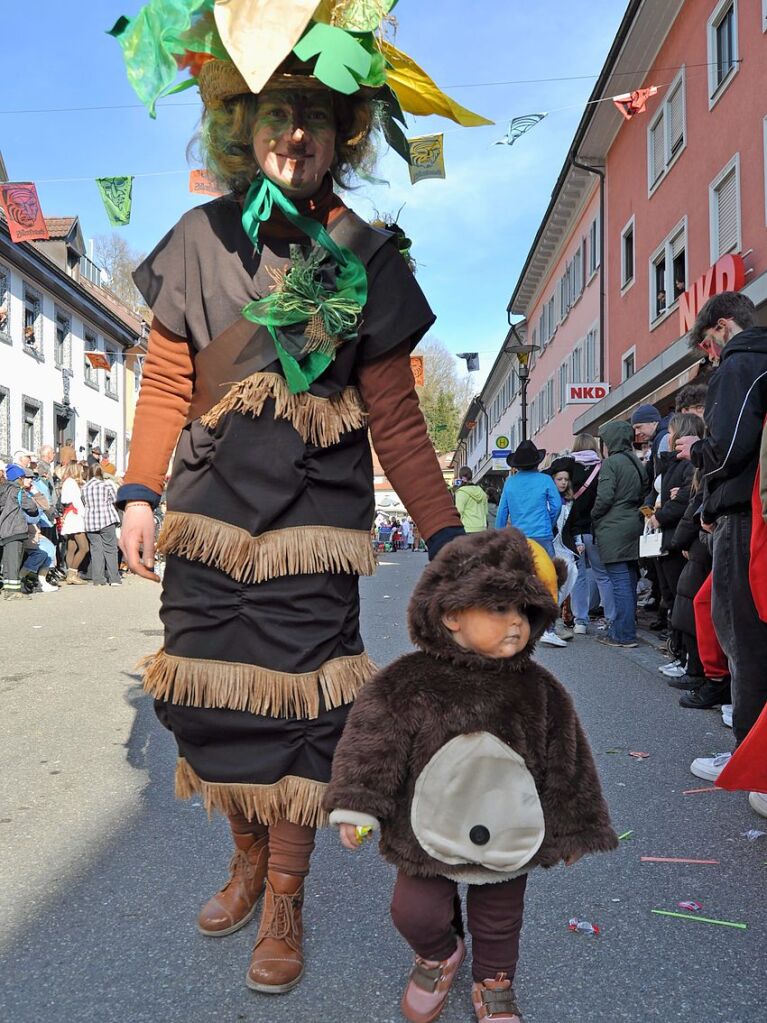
(294, 139)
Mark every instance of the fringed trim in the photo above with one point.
(299, 550)
(320, 421)
(236, 686)
(291, 798)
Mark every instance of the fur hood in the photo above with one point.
(491, 570)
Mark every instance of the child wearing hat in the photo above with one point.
(470, 760)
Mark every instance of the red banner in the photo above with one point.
(201, 183)
(416, 368)
(22, 210)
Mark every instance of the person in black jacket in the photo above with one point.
(736, 405)
(676, 479)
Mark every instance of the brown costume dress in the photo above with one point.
(269, 505)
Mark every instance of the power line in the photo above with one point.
(465, 85)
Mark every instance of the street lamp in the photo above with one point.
(523, 353)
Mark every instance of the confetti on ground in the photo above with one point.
(672, 859)
(615, 749)
(638, 756)
(708, 788)
(700, 919)
(693, 906)
(625, 836)
(752, 835)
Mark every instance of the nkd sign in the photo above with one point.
(727, 274)
(585, 394)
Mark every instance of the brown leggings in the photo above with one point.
(427, 913)
(77, 548)
(290, 845)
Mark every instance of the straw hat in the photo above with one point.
(219, 80)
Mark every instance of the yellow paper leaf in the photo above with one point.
(419, 95)
(259, 34)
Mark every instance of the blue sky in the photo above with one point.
(471, 232)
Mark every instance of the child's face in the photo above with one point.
(489, 633)
(562, 481)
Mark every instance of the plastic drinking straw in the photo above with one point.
(672, 859)
(700, 919)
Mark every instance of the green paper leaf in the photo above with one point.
(342, 62)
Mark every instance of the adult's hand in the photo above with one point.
(683, 446)
(137, 539)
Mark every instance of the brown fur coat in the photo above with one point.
(410, 710)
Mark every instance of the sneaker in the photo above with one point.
(758, 802)
(606, 641)
(689, 683)
(709, 768)
(562, 630)
(673, 671)
(663, 668)
(494, 1000)
(711, 694)
(727, 714)
(429, 985)
(580, 629)
(550, 638)
(45, 586)
(602, 624)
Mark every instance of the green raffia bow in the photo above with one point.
(341, 308)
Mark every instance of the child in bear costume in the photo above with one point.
(470, 759)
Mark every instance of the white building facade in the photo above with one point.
(50, 315)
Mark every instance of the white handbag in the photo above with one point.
(651, 542)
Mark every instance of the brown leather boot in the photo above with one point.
(277, 964)
(232, 907)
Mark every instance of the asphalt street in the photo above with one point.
(102, 871)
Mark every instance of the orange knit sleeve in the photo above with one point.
(402, 443)
(163, 404)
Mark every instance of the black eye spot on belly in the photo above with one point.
(479, 835)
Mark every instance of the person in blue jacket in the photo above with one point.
(530, 500)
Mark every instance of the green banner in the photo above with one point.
(116, 194)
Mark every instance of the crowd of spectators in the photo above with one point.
(58, 522)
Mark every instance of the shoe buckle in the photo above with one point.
(426, 977)
(499, 1002)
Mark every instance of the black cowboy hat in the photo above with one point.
(564, 463)
(526, 456)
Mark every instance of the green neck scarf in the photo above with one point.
(351, 281)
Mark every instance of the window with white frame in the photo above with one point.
(93, 437)
(667, 132)
(627, 255)
(668, 272)
(33, 322)
(594, 254)
(628, 364)
(576, 365)
(724, 210)
(111, 375)
(91, 345)
(564, 370)
(31, 423)
(723, 56)
(5, 423)
(62, 350)
(110, 446)
(5, 305)
(592, 356)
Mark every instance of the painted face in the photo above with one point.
(294, 139)
(489, 633)
(562, 481)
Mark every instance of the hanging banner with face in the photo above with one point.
(26, 222)
(427, 158)
(99, 360)
(201, 183)
(117, 196)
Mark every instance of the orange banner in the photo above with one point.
(26, 222)
(416, 368)
(98, 360)
(201, 183)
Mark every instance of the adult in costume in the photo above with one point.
(282, 331)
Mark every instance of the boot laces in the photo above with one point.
(282, 925)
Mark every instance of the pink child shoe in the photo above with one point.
(494, 1000)
(428, 986)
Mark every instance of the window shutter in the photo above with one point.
(727, 214)
(675, 106)
(657, 154)
(677, 245)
